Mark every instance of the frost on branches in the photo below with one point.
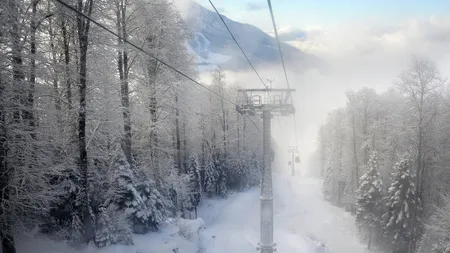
(369, 197)
(328, 184)
(437, 238)
(401, 204)
(181, 189)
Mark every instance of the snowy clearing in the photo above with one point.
(304, 222)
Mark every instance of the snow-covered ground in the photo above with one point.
(303, 222)
(301, 210)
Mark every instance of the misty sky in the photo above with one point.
(364, 42)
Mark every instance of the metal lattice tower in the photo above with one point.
(266, 102)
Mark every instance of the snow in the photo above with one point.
(303, 223)
(206, 59)
(162, 242)
(315, 218)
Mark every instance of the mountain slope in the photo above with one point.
(214, 45)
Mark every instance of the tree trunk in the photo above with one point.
(419, 177)
(83, 40)
(28, 114)
(152, 72)
(6, 234)
(244, 131)
(178, 137)
(66, 46)
(224, 127)
(238, 120)
(203, 140)
(365, 123)
(185, 150)
(56, 94)
(355, 154)
(370, 237)
(122, 63)
(7, 240)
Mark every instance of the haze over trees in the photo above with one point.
(97, 139)
(407, 128)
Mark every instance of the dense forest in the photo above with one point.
(385, 158)
(98, 140)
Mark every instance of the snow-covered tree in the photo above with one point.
(126, 196)
(210, 175)
(240, 175)
(195, 184)
(180, 188)
(369, 199)
(337, 156)
(71, 94)
(399, 220)
(223, 187)
(112, 227)
(157, 206)
(254, 170)
(328, 186)
(221, 183)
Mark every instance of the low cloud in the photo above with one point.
(358, 55)
(221, 10)
(292, 34)
(252, 6)
(429, 37)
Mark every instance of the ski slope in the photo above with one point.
(303, 221)
(304, 212)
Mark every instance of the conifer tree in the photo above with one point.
(401, 204)
(126, 196)
(156, 205)
(369, 206)
(221, 175)
(210, 175)
(195, 182)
